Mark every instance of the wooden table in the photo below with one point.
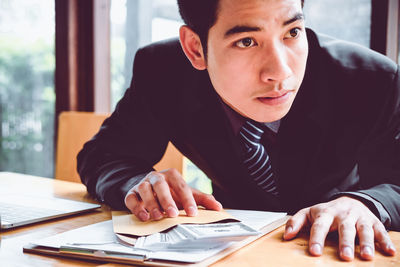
(269, 250)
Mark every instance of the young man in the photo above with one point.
(278, 117)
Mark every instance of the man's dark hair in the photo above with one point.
(200, 16)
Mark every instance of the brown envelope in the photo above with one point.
(127, 223)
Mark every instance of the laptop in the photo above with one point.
(18, 210)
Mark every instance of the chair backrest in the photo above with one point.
(76, 128)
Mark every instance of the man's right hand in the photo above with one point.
(166, 191)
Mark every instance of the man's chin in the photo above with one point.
(269, 114)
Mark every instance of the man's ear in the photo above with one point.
(192, 47)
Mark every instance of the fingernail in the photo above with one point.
(316, 249)
(144, 216)
(391, 247)
(347, 252)
(366, 250)
(172, 212)
(156, 214)
(192, 211)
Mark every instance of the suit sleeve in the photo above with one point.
(379, 160)
(128, 144)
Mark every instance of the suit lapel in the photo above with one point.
(300, 138)
(208, 128)
(299, 141)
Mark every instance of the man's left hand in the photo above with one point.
(348, 216)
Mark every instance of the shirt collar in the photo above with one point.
(236, 120)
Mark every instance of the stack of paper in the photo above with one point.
(183, 245)
(196, 236)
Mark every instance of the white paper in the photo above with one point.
(196, 236)
(100, 237)
(256, 219)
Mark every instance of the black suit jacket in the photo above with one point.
(341, 135)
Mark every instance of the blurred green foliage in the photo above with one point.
(26, 106)
(195, 177)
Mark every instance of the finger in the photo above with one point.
(206, 200)
(295, 224)
(318, 233)
(347, 235)
(366, 237)
(145, 191)
(161, 188)
(136, 206)
(383, 239)
(182, 192)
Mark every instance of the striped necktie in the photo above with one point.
(256, 159)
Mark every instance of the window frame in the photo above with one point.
(82, 76)
(393, 26)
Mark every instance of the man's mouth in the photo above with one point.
(276, 99)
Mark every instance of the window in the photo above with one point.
(27, 61)
(135, 24)
(27, 86)
(344, 19)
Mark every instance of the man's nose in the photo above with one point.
(275, 68)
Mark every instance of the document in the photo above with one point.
(196, 236)
(99, 241)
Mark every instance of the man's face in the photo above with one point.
(257, 53)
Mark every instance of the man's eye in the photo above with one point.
(293, 33)
(245, 43)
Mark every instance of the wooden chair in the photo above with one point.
(75, 128)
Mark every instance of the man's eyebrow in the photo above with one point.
(244, 28)
(240, 29)
(296, 17)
